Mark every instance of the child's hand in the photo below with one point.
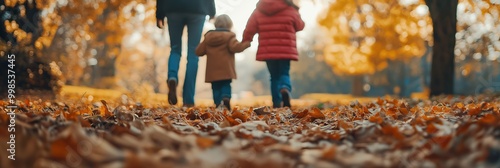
(160, 23)
(245, 44)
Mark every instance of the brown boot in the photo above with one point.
(285, 95)
(226, 102)
(172, 91)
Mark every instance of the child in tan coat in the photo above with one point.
(220, 45)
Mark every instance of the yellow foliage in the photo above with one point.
(365, 34)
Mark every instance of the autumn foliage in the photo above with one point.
(444, 132)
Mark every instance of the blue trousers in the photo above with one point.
(176, 23)
(280, 78)
(221, 89)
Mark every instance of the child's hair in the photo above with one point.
(223, 21)
(290, 3)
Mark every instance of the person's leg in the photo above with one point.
(175, 29)
(176, 25)
(226, 93)
(195, 27)
(285, 85)
(274, 71)
(216, 92)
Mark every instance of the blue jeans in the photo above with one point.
(221, 89)
(176, 23)
(280, 78)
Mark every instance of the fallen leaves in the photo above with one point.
(447, 132)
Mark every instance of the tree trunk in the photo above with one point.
(444, 20)
(357, 86)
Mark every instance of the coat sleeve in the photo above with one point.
(160, 9)
(211, 8)
(201, 50)
(252, 28)
(235, 46)
(299, 23)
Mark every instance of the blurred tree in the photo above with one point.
(444, 21)
(25, 29)
(91, 36)
(354, 50)
(365, 34)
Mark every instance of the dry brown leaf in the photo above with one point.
(301, 114)
(329, 153)
(60, 148)
(376, 119)
(393, 131)
(431, 128)
(316, 114)
(239, 115)
(204, 142)
(489, 119)
(104, 111)
(344, 125)
(206, 115)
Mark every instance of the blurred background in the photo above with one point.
(363, 48)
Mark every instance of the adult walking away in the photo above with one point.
(181, 13)
(276, 22)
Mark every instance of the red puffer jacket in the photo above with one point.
(276, 22)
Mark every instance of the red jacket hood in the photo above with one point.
(271, 7)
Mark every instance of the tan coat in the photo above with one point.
(220, 46)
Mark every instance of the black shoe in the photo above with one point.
(172, 91)
(285, 95)
(226, 102)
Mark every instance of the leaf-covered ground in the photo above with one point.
(442, 132)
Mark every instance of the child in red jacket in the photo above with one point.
(277, 22)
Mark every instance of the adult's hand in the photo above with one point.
(160, 23)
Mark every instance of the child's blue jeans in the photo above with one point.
(221, 89)
(280, 78)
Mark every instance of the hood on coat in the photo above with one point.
(217, 37)
(271, 7)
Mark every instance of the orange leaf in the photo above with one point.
(204, 142)
(403, 111)
(459, 105)
(231, 120)
(301, 114)
(442, 141)
(242, 116)
(474, 110)
(344, 125)
(334, 136)
(206, 115)
(266, 141)
(59, 148)
(431, 129)
(392, 112)
(489, 119)
(380, 101)
(316, 114)
(329, 153)
(376, 119)
(394, 131)
(104, 109)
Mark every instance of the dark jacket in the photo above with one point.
(204, 7)
(277, 23)
(220, 46)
